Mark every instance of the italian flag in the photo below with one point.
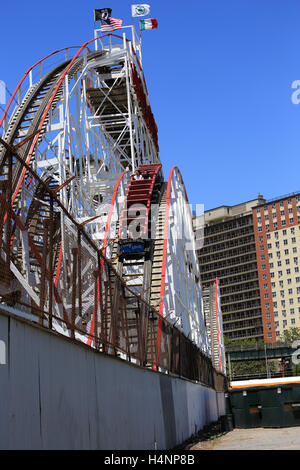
(149, 23)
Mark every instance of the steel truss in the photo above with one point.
(81, 295)
(93, 119)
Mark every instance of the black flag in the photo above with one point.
(102, 14)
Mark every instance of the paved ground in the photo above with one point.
(253, 439)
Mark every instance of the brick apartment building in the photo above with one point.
(277, 238)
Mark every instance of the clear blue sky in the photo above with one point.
(219, 75)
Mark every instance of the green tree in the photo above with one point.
(242, 342)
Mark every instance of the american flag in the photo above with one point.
(111, 24)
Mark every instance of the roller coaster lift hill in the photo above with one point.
(86, 250)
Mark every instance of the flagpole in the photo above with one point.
(95, 36)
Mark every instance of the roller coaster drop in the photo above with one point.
(86, 249)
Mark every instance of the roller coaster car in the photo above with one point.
(135, 249)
